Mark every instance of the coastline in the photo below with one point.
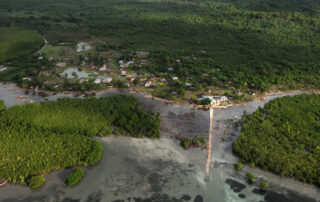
(177, 119)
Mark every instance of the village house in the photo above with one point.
(102, 69)
(61, 64)
(174, 78)
(188, 84)
(142, 53)
(170, 69)
(214, 101)
(148, 84)
(83, 80)
(107, 80)
(26, 78)
(2, 69)
(123, 73)
(97, 81)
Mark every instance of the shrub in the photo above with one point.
(185, 143)
(252, 165)
(238, 166)
(196, 141)
(264, 185)
(205, 102)
(2, 105)
(251, 177)
(36, 182)
(75, 177)
(203, 140)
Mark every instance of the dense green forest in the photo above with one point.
(38, 138)
(249, 44)
(17, 42)
(284, 137)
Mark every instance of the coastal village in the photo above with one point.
(79, 71)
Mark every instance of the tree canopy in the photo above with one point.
(38, 138)
(284, 137)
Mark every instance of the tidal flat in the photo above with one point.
(161, 170)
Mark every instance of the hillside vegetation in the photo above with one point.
(249, 44)
(284, 137)
(38, 138)
(18, 42)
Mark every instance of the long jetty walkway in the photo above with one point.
(207, 177)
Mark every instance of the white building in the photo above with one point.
(102, 69)
(148, 84)
(214, 101)
(97, 81)
(174, 78)
(61, 64)
(107, 80)
(2, 69)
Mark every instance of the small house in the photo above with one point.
(107, 80)
(61, 64)
(148, 84)
(123, 73)
(174, 78)
(142, 53)
(2, 69)
(103, 69)
(223, 99)
(97, 81)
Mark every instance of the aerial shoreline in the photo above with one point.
(178, 120)
(173, 102)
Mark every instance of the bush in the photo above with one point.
(2, 105)
(251, 177)
(75, 177)
(264, 185)
(185, 143)
(205, 102)
(203, 140)
(238, 166)
(36, 182)
(252, 165)
(196, 141)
